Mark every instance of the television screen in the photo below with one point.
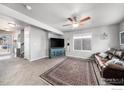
(56, 42)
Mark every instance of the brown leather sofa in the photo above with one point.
(112, 71)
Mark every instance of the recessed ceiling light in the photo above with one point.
(12, 24)
(28, 7)
(7, 30)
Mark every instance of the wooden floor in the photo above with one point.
(18, 71)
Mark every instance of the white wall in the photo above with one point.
(98, 44)
(36, 46)
(27, 42)
(52, 35)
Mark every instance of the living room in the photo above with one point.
(64, 47)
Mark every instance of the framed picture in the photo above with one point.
(122, 38)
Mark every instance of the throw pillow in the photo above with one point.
(118, 53)
(115, 61)
(112, 61)
(110, 56)
(103, 55)
(121, 63)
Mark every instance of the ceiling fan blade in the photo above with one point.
(70, 19)
(85, 19)
(67, 25)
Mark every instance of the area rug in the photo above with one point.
(71, 71)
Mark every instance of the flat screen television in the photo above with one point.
(56, 42)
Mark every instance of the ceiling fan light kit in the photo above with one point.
(77, 23)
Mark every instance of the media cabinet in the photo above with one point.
(54, 52)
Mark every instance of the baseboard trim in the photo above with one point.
(38, 58)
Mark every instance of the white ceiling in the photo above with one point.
(4, 24)
(56, 14)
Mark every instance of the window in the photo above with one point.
(82, 42)
(77, 44)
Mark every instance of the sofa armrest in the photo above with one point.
(101, 62)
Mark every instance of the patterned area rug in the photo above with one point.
(71, 71)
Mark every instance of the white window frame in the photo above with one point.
(87, 35)
(120, 37)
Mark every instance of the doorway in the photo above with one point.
(5, 44)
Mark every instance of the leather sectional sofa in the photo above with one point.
(111, 71)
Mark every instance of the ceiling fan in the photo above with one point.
(77, 23)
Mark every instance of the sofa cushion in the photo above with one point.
(121, 63)
(112, 51)
(110, 56)
(118, 54)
